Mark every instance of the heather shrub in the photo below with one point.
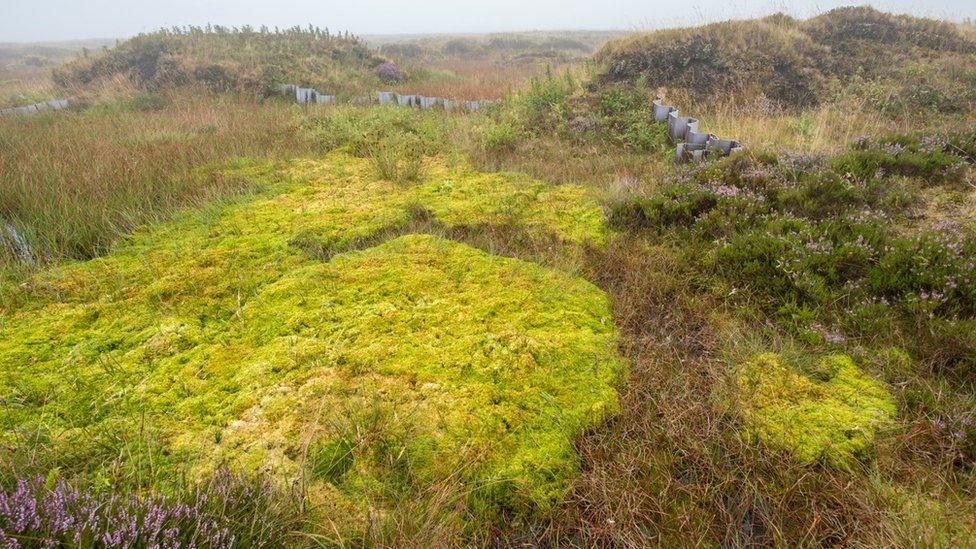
(390, 73)
(679, 205)
(807, 235)
(228, 511)
(879, 159)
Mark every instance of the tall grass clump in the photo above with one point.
(399, 158)
(73, 182)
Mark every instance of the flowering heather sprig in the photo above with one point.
(727, 191)
(958, 428)
(894, 149)
(390, 73)
(820, 246)
(34, 514)
(731, 191)
(862, 142)
(933, 143)
(799, 162)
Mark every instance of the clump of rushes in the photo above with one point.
(231, 510)
(399, 158)
(831, 416)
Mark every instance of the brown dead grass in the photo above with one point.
(470, 79)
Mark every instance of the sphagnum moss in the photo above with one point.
(832, 419)
(213, 339)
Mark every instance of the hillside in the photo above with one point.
(225, 59)
(924, 63)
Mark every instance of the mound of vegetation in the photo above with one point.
(835, 241)
(799, 63)
(830, 416)
(226, 59)
(310, 333)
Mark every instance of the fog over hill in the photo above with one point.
(65, 19)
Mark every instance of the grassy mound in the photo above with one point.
(832, 417)
(217, 339)
(230, 59)
(800, 63)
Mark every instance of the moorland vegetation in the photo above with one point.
(388, 326)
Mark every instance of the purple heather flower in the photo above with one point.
(835, 338)
(390, 73)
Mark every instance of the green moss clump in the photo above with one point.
(833, 418)
(215, 340)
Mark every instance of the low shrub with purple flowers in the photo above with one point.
(229, 511)
(390, 73)
(835, 236)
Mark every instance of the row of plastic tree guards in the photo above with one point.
(691, 144)
(311, 95)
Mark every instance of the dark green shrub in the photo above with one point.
(500, 137)
(146, 102)
(675, 206)
(895, 159)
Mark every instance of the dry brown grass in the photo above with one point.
(561, 162)
(471, 79)
(827, 128)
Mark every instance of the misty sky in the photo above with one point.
(27, 20)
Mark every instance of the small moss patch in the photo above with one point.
(832, 416)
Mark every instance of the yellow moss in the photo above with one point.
(833, 419)
(216, 339)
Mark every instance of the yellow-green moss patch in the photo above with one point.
(214, 339)
(833, 419)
